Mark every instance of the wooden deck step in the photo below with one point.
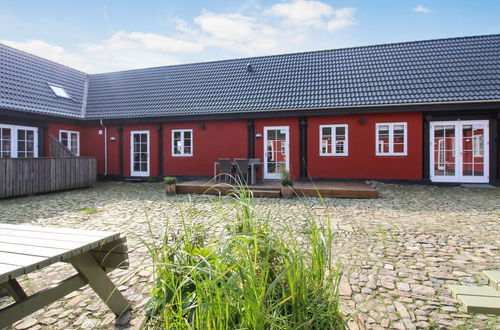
(480, 304)
(493, 278)
(266, 193)
(470, 290)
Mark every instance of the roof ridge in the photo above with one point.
(298, 53)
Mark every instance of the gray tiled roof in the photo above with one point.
(24, 80)
(445, 70)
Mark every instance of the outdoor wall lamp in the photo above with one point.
(202, 126)
(362, 121)
(258, 135)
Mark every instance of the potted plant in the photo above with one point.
(286, 183)
(170, 181)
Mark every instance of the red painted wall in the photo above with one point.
(293, 125)
(362, 161)
(92, 144)
(218, 139)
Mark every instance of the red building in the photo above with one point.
(420, 111)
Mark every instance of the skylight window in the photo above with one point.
(59, 91)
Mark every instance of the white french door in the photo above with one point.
(18, 141)
(459, 151)
(139, 153)
(276, 151)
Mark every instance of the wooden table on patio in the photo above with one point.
(24, 249)
(251, 164)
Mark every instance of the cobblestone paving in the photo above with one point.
(398, 251)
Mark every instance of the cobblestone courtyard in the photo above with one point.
(398, 251)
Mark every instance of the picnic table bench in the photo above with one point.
(24, 249)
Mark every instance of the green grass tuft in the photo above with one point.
(88, 210)
(252, 277)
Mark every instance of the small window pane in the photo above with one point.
(340, 131)
(339, 147)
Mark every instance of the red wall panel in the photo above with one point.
(229, 139)
(92, 144)
(218, 139)
(362, 161)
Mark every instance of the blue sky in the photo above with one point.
(101, 36)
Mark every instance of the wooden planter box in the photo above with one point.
(171, 189)
(287, 191)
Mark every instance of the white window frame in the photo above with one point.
(69, 140)
(334, 140)
(391, 139)
(13, 138)
(182, 154)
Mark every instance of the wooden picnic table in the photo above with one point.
(24, 249)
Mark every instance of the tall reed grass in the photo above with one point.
(252, 277)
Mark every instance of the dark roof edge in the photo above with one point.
(389, 108)
(355, 110)
(304, 52)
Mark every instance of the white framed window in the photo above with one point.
(18, 141)
(333, 140)
(71, 140)
(182, 142)
(391, 139)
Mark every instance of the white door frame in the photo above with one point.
(287, 150)
(458, 148)
(138, 173)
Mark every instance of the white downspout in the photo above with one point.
(105, 148)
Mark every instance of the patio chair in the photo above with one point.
(255, 168)
(242, 168)
(225, 169)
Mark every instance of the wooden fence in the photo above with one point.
(25, 176)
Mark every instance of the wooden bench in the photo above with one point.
(24, 249)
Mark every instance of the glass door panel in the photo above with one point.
(276, 155)
(140, 153)
(473, 150)
(444, 163)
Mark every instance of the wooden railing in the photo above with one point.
(26, 176)
(57, 149)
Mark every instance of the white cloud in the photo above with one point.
(139, 40)
(284, 27)
(312, 14)
(51, 52)
(422, 9)
(236, 32)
